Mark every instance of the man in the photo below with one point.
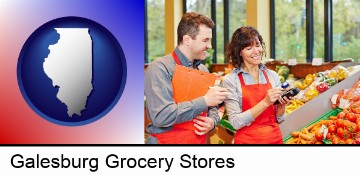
(194, 39)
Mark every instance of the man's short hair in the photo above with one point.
(189, 25)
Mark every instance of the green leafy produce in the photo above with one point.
(282, 78)
(283, 71)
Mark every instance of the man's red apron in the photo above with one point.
(264, 130)
(182, 133)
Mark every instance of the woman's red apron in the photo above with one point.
(264, 130)
(183, 133)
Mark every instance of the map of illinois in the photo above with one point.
(69, 66)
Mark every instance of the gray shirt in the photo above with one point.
(237, 117)
(161, 109)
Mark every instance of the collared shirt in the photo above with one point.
(233, 102)
(161, 109)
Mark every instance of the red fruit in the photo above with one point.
(332, 129)
(352, 127)
(335, 141)
(357, 120)
(351, 117)
(340, 132)
(328, 136)
(322, 87)
(319, 136)
(349, 141)
(339, 123)
(341, 115)
(355, 108)
(357, 127)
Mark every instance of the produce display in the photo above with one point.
(294, 104)
(342, 128)
(346, 96)
(283, 72)
(345, 127)
(309, 135)
(339, 126)
(315, 84)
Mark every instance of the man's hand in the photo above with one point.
(215, 95)
(203, 125)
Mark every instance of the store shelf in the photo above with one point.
(223, 134)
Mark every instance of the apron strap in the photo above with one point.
(267, 78)
(242, 82)
(176, 58)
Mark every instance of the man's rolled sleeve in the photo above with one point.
(199, 104)
(214, 115)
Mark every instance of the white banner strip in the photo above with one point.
(177, 160)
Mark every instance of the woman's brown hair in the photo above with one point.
(242, 38)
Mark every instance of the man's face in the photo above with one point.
(201, 43)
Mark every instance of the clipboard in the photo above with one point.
(189, 84)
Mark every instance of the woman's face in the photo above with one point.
(252, 54)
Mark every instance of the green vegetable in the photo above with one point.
(324, 78)
(282, 78)
(277, 68)
(320, 74)
(283, 71)
(331, 81)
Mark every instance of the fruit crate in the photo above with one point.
(326, 116)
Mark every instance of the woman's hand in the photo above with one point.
(280, 108)
(272, 95)
(284, 101)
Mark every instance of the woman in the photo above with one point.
(253, 89)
